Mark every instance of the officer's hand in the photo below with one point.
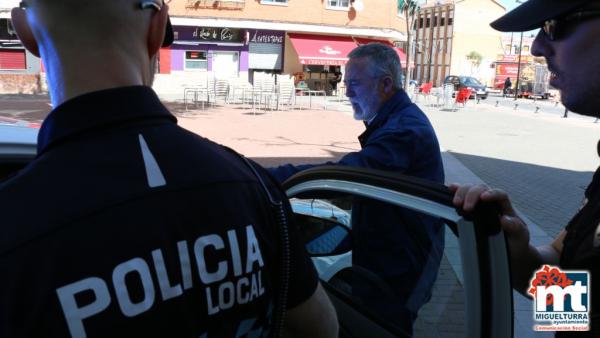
(467, 197)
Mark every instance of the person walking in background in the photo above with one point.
(337, 78)
(507, 86)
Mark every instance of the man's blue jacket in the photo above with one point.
(399, 245)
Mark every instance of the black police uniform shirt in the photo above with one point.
(126, 225)
(581, 251)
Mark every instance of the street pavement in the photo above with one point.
(544, 161)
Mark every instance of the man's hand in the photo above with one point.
(524, 257)
(467, 197)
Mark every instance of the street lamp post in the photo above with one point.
(519, 59)
(519, 66)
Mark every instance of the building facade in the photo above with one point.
(454, 38)
(224, 39)
(308, 39)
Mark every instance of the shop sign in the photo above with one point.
(270, 37)
(515, 58)
(323, 62)
(208, 34)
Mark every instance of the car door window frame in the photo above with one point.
(489, 306)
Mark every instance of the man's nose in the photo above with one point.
(541, 45)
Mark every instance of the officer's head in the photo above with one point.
(94, 37)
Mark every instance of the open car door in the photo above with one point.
(396, 258)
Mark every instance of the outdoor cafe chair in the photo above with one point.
(462, 97)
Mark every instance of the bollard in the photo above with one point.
(537, 110)
(516, 105)
(478, 99)
(497, 103)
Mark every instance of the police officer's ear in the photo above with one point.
(21, 25)
(156, 31)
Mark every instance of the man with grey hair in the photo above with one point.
(400, 139)
(125, 224)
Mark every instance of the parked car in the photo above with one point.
(472, 295)
(478, 90)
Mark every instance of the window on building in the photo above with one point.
(450, 21)
(443, 22)
(274, 2)
(428, 23)
(338, 4)
(196, 60)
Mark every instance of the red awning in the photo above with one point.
(399, 51)
(322, 50)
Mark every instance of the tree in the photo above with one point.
(475, 58)
(409, 9)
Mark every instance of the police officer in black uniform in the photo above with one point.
(568, 40)
(126, 225)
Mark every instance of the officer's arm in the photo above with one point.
(315, 317)
(533, 259)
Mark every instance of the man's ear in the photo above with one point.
(388, 85)
(156, 32)
(19, 22)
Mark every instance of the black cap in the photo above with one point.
(533, 13)
(169, 37)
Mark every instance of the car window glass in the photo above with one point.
(395, 272)
(470, 81)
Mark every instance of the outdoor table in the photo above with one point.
(316, 92)
(195, 91)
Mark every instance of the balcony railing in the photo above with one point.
(216, 4)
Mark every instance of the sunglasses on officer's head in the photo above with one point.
(169, 36)
(556, 29)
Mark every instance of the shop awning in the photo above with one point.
(331, 50)
(322, 50)
(399, 51)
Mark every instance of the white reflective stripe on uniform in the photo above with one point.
(153, 173)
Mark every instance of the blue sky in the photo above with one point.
(509, 4)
